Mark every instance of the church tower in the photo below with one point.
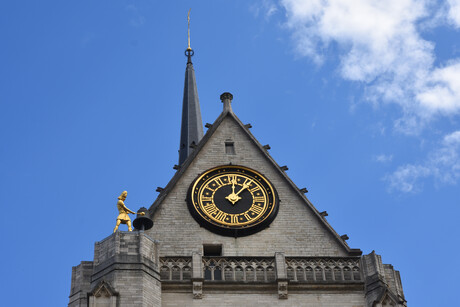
(231, 229)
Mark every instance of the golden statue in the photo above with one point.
(123, 217)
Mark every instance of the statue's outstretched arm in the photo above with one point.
(126, 208)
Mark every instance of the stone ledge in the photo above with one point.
(186, 286)
(120, 258)
(111, 266)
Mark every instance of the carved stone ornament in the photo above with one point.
(225, 96)
(197, 289)
(282, 289)
(103, 295)
(102, 292)
(103, 289)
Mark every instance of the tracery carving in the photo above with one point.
(239, 269)
(262, 269)
(176, 268)
(307, 269)
(103, 295)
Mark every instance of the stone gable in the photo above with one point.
(297, 230)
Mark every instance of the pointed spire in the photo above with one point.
(192, 125)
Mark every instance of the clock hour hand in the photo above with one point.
(233, 198)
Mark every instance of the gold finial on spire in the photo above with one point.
(189, 51)
(188, 19)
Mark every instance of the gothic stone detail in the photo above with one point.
(301, 269)
(197, 289)
(124, 270)
(282, 289)
(280, 261)
(176, 268)
(197, 266)
(103, 295)
(238, 269)
(265, 269)
(382, 283)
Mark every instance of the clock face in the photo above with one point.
(233, 200)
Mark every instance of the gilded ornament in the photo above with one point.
(123, 211)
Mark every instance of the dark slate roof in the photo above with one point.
(229, 112)
(192, 125)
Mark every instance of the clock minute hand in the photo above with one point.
(233, 198)
(245, 186)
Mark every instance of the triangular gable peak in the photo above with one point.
(103, 289)
(388, 299)
(311, 231)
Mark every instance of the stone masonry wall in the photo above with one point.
(80, 284)
(313, 299)
(128, 263)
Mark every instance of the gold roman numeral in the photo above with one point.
(256, 188)
(219, 182)
(206, 198)
(259, 199)
(246, 215)
(210, 209)
(256, 209)
(234, 219)
(220, 216)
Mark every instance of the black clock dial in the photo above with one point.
(226, 205)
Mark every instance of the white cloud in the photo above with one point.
(443, 164)
(454, 12)
(380, 46)
(266, 7)
(406, 177)
(452, 139)
(443, 90)
(383, 158)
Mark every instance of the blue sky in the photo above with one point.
(360, 99)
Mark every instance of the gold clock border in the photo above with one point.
(247, 224)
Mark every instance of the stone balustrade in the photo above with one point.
(301, 269)
(239, 269)
(263, 269)
(176, 268)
